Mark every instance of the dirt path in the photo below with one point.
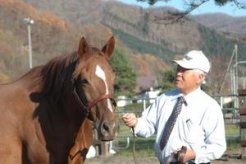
(230, 157)
(121, 160)
(114, 159)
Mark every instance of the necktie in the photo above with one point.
(171, 121)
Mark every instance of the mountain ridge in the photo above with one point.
(60, 24)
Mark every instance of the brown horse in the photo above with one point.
(45, 114)
(83, 141)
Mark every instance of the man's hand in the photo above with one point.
(189, 155)
(185, 155)
(130, 119)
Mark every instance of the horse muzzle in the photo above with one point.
(106, 131)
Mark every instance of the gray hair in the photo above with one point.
(198, 71)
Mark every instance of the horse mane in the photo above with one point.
(58, 74)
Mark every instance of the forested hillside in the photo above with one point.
(149, 44)
(233, 27)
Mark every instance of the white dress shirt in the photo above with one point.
(199, 126)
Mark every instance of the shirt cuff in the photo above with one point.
(137, 128)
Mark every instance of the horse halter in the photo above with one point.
(86, 106)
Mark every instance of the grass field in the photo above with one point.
(144, 146)
(232, 136)
(144, 151)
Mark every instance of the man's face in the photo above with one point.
(187, 80)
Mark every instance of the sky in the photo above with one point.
(208, 7)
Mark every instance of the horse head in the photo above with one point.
(94, 87)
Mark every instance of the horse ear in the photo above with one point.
(108, 49)
(83, 46)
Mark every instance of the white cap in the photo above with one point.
(195, 60)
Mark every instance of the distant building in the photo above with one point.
(242, 82)
(123, 101)
(145, 83)
(152, 94)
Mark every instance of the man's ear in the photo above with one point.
(201, 78)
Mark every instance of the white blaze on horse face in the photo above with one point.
(101, 74)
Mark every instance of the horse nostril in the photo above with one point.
(107, 131)
(105, 126)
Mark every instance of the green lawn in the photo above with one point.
(232, 136)
(144, 146)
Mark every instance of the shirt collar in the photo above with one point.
(192, 96)
(189, 97)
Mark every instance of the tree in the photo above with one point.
(197, 3)
(168, 79)
(125, 75)
(175, 16)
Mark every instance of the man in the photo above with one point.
(199, 124)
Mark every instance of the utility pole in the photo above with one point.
(29, 22)
(231, 71)
(235, 68)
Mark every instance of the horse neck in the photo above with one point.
(71, 110)
(31, 81)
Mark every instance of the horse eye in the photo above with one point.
(84, 81)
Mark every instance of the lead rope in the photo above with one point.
(134, 146)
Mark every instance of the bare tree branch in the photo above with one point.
(240, 5)
(171, 17)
